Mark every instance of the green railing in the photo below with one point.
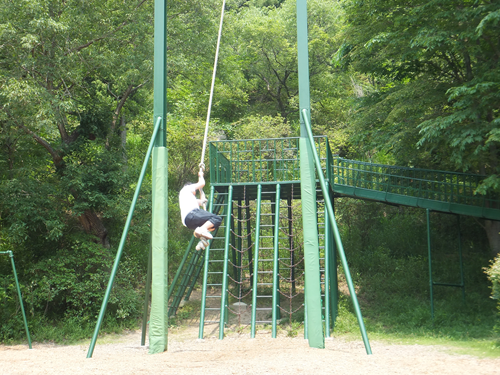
(260, 160)
(411, 183)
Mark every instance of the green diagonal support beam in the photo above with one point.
(336, 233)
(18, 288)
(123, 239)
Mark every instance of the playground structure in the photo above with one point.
(253, 261)
(253, 186)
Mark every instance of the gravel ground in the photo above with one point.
(238, 354)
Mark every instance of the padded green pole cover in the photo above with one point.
(311, 247)
(158, 321)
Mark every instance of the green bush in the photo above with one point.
(66, 291)
(493, 272)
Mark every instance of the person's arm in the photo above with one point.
(203, 200)
(201, 182)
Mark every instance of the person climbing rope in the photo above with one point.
(201, 221)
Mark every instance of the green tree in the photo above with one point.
(433, 72)
(67, 72)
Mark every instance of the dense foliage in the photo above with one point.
(413, 83)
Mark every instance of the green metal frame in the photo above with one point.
(432, 283)
(251, 162)
(123, 239)
(256, 260)
(223, 304)
(336, 232)
(19, 294)
(276, 261)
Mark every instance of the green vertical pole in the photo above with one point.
(462, 278)
(223, 302)
(240, 249)
(431, 284)
(327, 270)
(290, 243)
(256, 259)
(147, 291)
(158, 326)
(308, 192)
(160, 69)
(11, 256)
(334, 287)
(276, 260)
(233, 250)
(249, 239)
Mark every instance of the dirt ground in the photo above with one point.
(238, 354)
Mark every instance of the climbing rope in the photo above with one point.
(205, 137)
(202, 164)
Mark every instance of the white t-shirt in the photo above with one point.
(187, 201)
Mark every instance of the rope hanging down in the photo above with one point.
(202, 164)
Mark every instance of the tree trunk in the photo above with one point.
(123, 136)
(493, 233)
(92, 224)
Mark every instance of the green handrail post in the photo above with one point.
(226, 255)
(276, 259)
(256, 259)
(340, 247)
(11, 256)
(123, 239)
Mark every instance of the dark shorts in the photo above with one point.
(197, 218)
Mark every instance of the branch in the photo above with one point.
(119, 107)
(56, 157)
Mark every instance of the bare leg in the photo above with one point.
(208, 226)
